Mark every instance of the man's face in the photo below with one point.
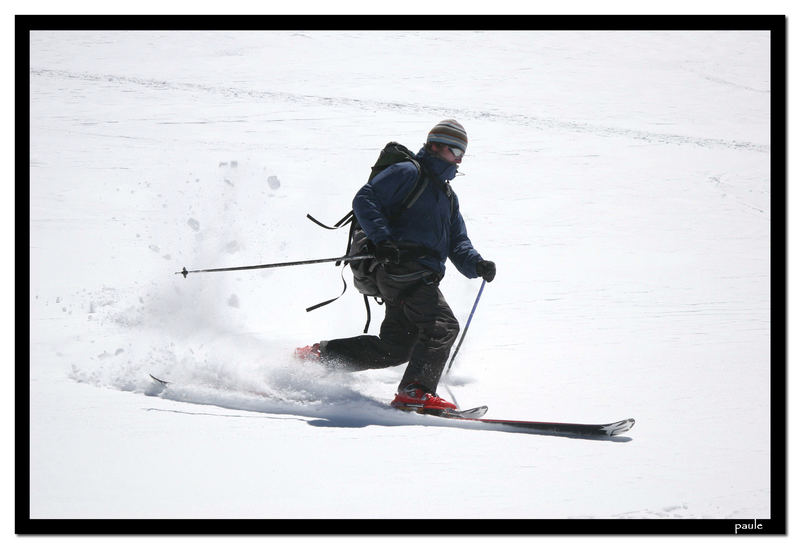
(445, 152)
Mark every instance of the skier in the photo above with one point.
(411, 249)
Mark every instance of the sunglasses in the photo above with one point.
(458, 153)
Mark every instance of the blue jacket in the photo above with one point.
(428, 222)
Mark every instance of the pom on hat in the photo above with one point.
(449, 132)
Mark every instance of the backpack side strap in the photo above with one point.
(338, 225)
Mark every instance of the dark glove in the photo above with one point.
(486, 270)
(387, 252)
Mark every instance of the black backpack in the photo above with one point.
(357, 241)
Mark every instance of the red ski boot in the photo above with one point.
(415, 399)
(309, 352)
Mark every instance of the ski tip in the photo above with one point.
(619, 427)
(161, 381)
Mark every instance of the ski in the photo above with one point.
(537, 427)
(556, 428)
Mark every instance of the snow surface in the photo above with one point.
(620, 181)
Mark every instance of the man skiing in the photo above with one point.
(411, 246)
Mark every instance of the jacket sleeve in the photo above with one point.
(462, 254)
(381, 198)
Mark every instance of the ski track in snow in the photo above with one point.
(531, 121)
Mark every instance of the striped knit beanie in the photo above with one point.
(449, 132)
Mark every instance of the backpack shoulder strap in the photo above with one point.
(448, 190)
(420, 183)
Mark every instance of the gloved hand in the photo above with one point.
(486, 270)
(387, 252)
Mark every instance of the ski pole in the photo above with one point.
(184, 272)
(466, 327)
